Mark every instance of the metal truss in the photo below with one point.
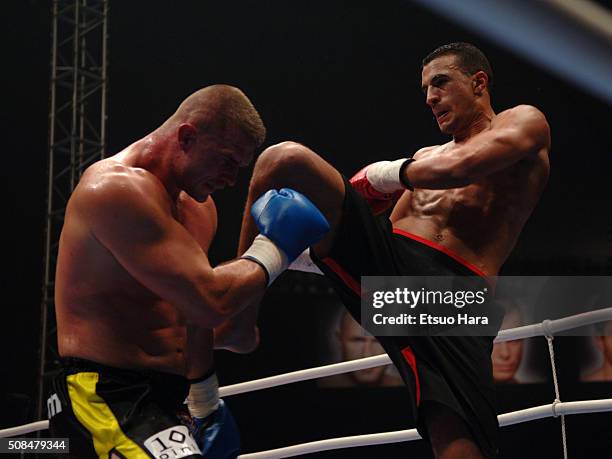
(77, 126)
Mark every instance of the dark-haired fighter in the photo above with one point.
(462, 207)
(136, 296)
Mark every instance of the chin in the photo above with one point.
(504, 375)
(445, 129)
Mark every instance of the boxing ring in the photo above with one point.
(546, 328)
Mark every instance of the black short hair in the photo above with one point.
(470, 59)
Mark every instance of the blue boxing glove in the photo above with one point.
(289, 223)
(217, 435)
(290, 220)
(210, 421)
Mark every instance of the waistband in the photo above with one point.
(441, 249)
(72, 365)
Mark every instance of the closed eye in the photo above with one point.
(438, 81)
(229, 160)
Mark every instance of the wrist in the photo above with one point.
(268, 255)
(203, 397)
(404, 175)
(384, 176)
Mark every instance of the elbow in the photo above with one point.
(222, 312)
(210, 303)
(214, 311)
(209, 307)
(206, 317)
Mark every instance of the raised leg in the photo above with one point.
(450, 438)
(285, 165)
(292, 165)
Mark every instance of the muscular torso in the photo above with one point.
(107, 316)
(479, 222)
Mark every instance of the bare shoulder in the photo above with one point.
(110, 188)
(522, 115)
(528, 122)
(423, 151)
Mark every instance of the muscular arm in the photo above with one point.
(130, 214)
(200, 219)
(514, 135)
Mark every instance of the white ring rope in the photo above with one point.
(515, 417)
(527, 331)
(552, 327)
(545, 328)
(305, 375)
(24, 429)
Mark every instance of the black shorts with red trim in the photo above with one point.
(453, 371)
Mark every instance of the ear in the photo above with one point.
(480, 81)
(187, 136)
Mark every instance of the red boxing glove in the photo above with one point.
(378, 200)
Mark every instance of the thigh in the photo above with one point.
(362, 246)
(448, 433)
(292, 165)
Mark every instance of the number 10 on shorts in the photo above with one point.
(172, 443)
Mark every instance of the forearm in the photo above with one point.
(457, 165)
(437, 172)
(199, 352)
(240, 334)
(234, 285)
(382, 183)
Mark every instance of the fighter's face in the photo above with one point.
(506, 359)
(506, 356)
(449, 92)
(214, 162)
(356, 344)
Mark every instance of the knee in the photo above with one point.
(282, 160)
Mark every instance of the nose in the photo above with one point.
(369, 346)
(432, 97)
(503, 351)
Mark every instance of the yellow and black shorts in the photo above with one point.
(111, 412)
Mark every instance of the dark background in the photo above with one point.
(343, 78)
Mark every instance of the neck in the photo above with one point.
(479, 121)
(153, 153)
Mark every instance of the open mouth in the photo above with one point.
(440, 116)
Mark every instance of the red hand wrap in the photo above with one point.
(378, 201)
